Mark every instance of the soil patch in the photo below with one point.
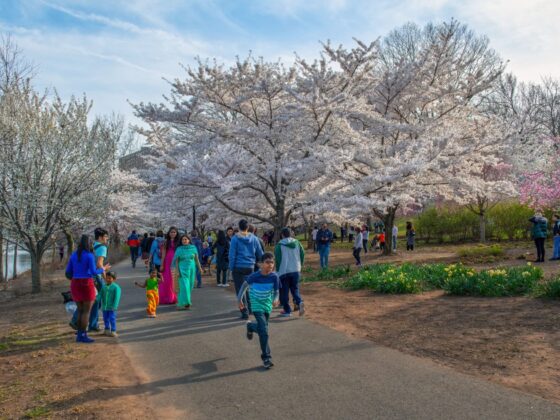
(40, 363)
(511, 341)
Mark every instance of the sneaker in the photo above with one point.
(268, 364)
(249, 332)
(107, 332)
(285, 314)
(94, 329)
(83, 338)
(151, 315)
(301, 309)
(226, 285)
(113, 334)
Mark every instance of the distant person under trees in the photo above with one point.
(410, 234)
(539, 233)
(133, 243)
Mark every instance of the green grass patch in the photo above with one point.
(548, 288)
(481, 253)
(37, 412)
(328, 274)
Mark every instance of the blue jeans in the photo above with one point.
(289, 283)
(324, 252)
(394, 243)
(556, 249)
(110, 320)
(261, 328)
(93, 323)
(239, 275)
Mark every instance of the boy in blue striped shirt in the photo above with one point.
(262, 287)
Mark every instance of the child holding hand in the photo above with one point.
(152, 293)
(110, 298)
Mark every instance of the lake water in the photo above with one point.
(23, 262)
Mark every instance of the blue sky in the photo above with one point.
(115, 50)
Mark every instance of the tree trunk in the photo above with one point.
(2, 256)
(482, 221)
(6, 261)
(14, 275)
(36, 258)
(389, 220)
(69, 241)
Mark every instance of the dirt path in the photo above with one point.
(39, 361)
(510, 341)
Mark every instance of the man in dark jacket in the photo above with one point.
(324, 239)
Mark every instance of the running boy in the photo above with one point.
(263, 292)
(110, 298)
(152, 293)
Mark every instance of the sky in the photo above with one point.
(119, 52)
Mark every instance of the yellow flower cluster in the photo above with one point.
(497, 272)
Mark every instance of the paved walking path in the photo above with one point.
(198, 364)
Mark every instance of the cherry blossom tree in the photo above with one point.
(52, 161)
(414, 127)
(239, 138)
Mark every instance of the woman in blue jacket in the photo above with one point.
(81, 269)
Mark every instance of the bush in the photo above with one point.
(510, 281)
(549, 288)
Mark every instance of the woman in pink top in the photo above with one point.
(167, 294)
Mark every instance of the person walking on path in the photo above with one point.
(357, 248)
(167, 294)
(110, 298)
(197, 242)
(410, 234)
(156, 252)
(395, 235)
(133, 243)
(289, 256)
(146, 247)
(152, 294)
(244, 251)
(539, 233)
(81, 269)
(324, 239)
(221, 248)
(365, 238)
(314, 238)
(185, 265)
(262, 287)
(556, 238)
(100, 255)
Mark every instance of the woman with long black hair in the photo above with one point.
(81, 269)
(167, 294)
(222, 258)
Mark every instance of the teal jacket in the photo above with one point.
(540, 227)
(110, 297)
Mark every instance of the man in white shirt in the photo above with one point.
(314, 238)
(358, 245)
(395, 234)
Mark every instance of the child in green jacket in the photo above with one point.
(110, 297)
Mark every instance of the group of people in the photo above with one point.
(323, 237)
(539, 232)
(262, 279)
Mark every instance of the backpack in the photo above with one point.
(160, 249)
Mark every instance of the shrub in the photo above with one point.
(549, 288)
(481, 251)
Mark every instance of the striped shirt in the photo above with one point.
(263, 290)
